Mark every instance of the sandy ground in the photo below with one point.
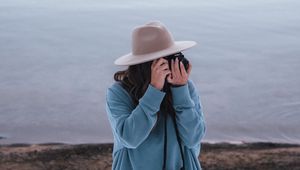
(98, 156)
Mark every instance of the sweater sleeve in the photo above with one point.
(189, 114)
(133, 126)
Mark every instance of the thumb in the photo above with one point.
(169, 79)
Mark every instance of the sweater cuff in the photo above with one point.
(152, 98)
(181, 96)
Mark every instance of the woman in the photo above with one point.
(153, 107)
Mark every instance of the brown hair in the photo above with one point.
(135, 80)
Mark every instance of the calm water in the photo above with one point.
(57, 61)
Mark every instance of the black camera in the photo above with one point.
(180, 57)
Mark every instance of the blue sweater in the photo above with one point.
(139, 134)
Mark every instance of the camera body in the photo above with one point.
(180, 57)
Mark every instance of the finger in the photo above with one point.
(176, 68)
(189, 69)
(163, 67)
(153, 63)
(169, 78)
(166, 72)
(172, 67)
(183, 72)
(160, 62)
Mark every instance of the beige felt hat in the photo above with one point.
(152, 41)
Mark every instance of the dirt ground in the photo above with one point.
(251, 156)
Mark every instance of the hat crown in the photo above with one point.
(151, 41)
(151, 37)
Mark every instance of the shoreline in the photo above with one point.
(258, 155)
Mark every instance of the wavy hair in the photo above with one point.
(135, 80)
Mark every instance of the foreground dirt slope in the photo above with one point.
(265, 156)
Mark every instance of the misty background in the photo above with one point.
(56, 62)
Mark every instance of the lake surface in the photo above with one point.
(57, 62)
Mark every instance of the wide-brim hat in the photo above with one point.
(152, 41)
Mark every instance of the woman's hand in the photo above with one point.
(179, 78)
(159, 71)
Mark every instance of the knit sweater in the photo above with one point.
(139, 133)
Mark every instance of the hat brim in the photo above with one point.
(131, 59)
